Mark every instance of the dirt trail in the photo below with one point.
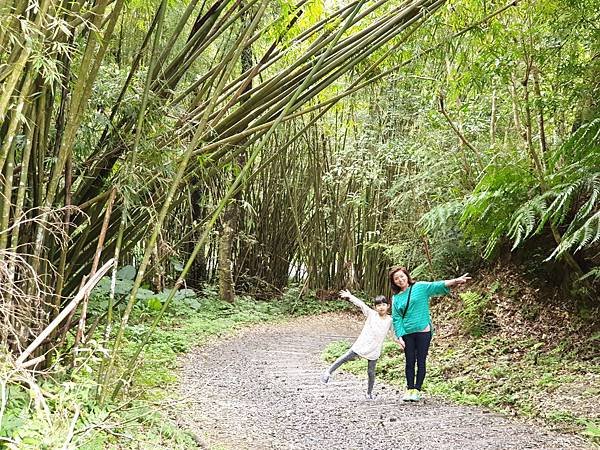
(260, 390)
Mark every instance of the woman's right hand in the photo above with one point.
(401, 342)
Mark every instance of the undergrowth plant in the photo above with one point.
(473, 312)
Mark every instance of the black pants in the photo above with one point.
(415, 351)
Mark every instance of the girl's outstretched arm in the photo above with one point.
(344, 293)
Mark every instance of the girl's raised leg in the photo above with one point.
(348, 356)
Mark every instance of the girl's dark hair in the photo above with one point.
(380, 299)
(395, 289)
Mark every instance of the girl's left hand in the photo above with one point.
(345, 293)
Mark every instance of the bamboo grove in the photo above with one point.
(253, 141)
(179, 137)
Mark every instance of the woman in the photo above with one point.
(412, 322)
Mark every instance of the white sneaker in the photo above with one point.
(325, 377)
(408, 395)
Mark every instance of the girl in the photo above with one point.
(369, 342)
(412, 322)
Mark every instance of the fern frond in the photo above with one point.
(525, 219)
(491, 244)
(488, 210)
(583, 236)
(585, 141)
(564, 196)
(473, 312)
(594, 273)
(436, 217)
(592, 203)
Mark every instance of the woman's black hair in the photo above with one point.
(380, 299)
(395, 289)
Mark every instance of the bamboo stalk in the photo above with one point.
(63, 251)
(102, 370)
(220, 113)
(15, 118)
(233, 188)
(95, 50)
(538, 96)
(7, 194)
(19, 65)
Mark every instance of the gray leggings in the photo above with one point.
(349, 356)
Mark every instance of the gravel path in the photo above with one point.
(260, 390)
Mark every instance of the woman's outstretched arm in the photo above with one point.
(457, 281)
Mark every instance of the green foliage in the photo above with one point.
(449, 247)
(185, 301)
(334, 350)
(592, 430)
(294, 304)
(39, 416)
(488, 211)
(473, 314)
(509, 203)
(572, 198)
(448, 203)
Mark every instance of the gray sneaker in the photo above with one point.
(325, 377)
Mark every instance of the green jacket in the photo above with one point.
(417, 316)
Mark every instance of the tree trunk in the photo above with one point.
(226, 286)
(230, 216)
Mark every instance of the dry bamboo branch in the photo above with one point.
(86, 289)
(79, 337)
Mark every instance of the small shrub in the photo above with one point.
(294, 304)
(593, 431)
(473, 313)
